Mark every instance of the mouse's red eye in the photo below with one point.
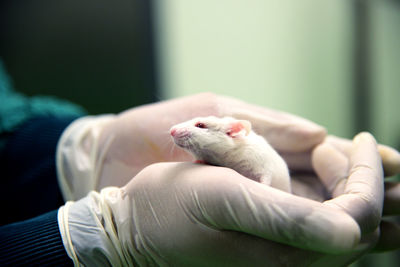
(200, 125)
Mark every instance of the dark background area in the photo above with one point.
(90, 52)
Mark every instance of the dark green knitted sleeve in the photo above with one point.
(34, 242)
(16, 108)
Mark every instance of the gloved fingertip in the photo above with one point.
(363, 137)
(391, 160)
(305, 138)
(330, 164)
(321, 151)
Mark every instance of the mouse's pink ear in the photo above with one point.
(240, 127)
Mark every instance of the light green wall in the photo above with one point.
(279, 53)
(291, 55)
(385, 44)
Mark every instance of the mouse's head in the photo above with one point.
(207, 137)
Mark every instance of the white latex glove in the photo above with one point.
(95, 152)
(185, 214)
(100, 151)
(333, 174)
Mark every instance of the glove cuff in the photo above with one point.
(97, 230)
(79, 156)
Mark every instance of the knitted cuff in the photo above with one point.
(28, 176)
(34, 242)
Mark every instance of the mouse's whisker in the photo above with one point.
(172, 147)
(166, 132)
(166, 143)
(165, 135)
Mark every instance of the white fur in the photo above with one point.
(246, 152)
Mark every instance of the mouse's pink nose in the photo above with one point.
(173, 132)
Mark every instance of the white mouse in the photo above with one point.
(231, 143)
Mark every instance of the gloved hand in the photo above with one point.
(100, 151)
(185, 214)
(332, 160)
(95, 152)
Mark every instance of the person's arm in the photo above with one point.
(28, 166)
(30, 128)
(33, 242)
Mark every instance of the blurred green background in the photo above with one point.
(333, 62)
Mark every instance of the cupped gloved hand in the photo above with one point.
(185, 214)
(332, 163)
(100, 151)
